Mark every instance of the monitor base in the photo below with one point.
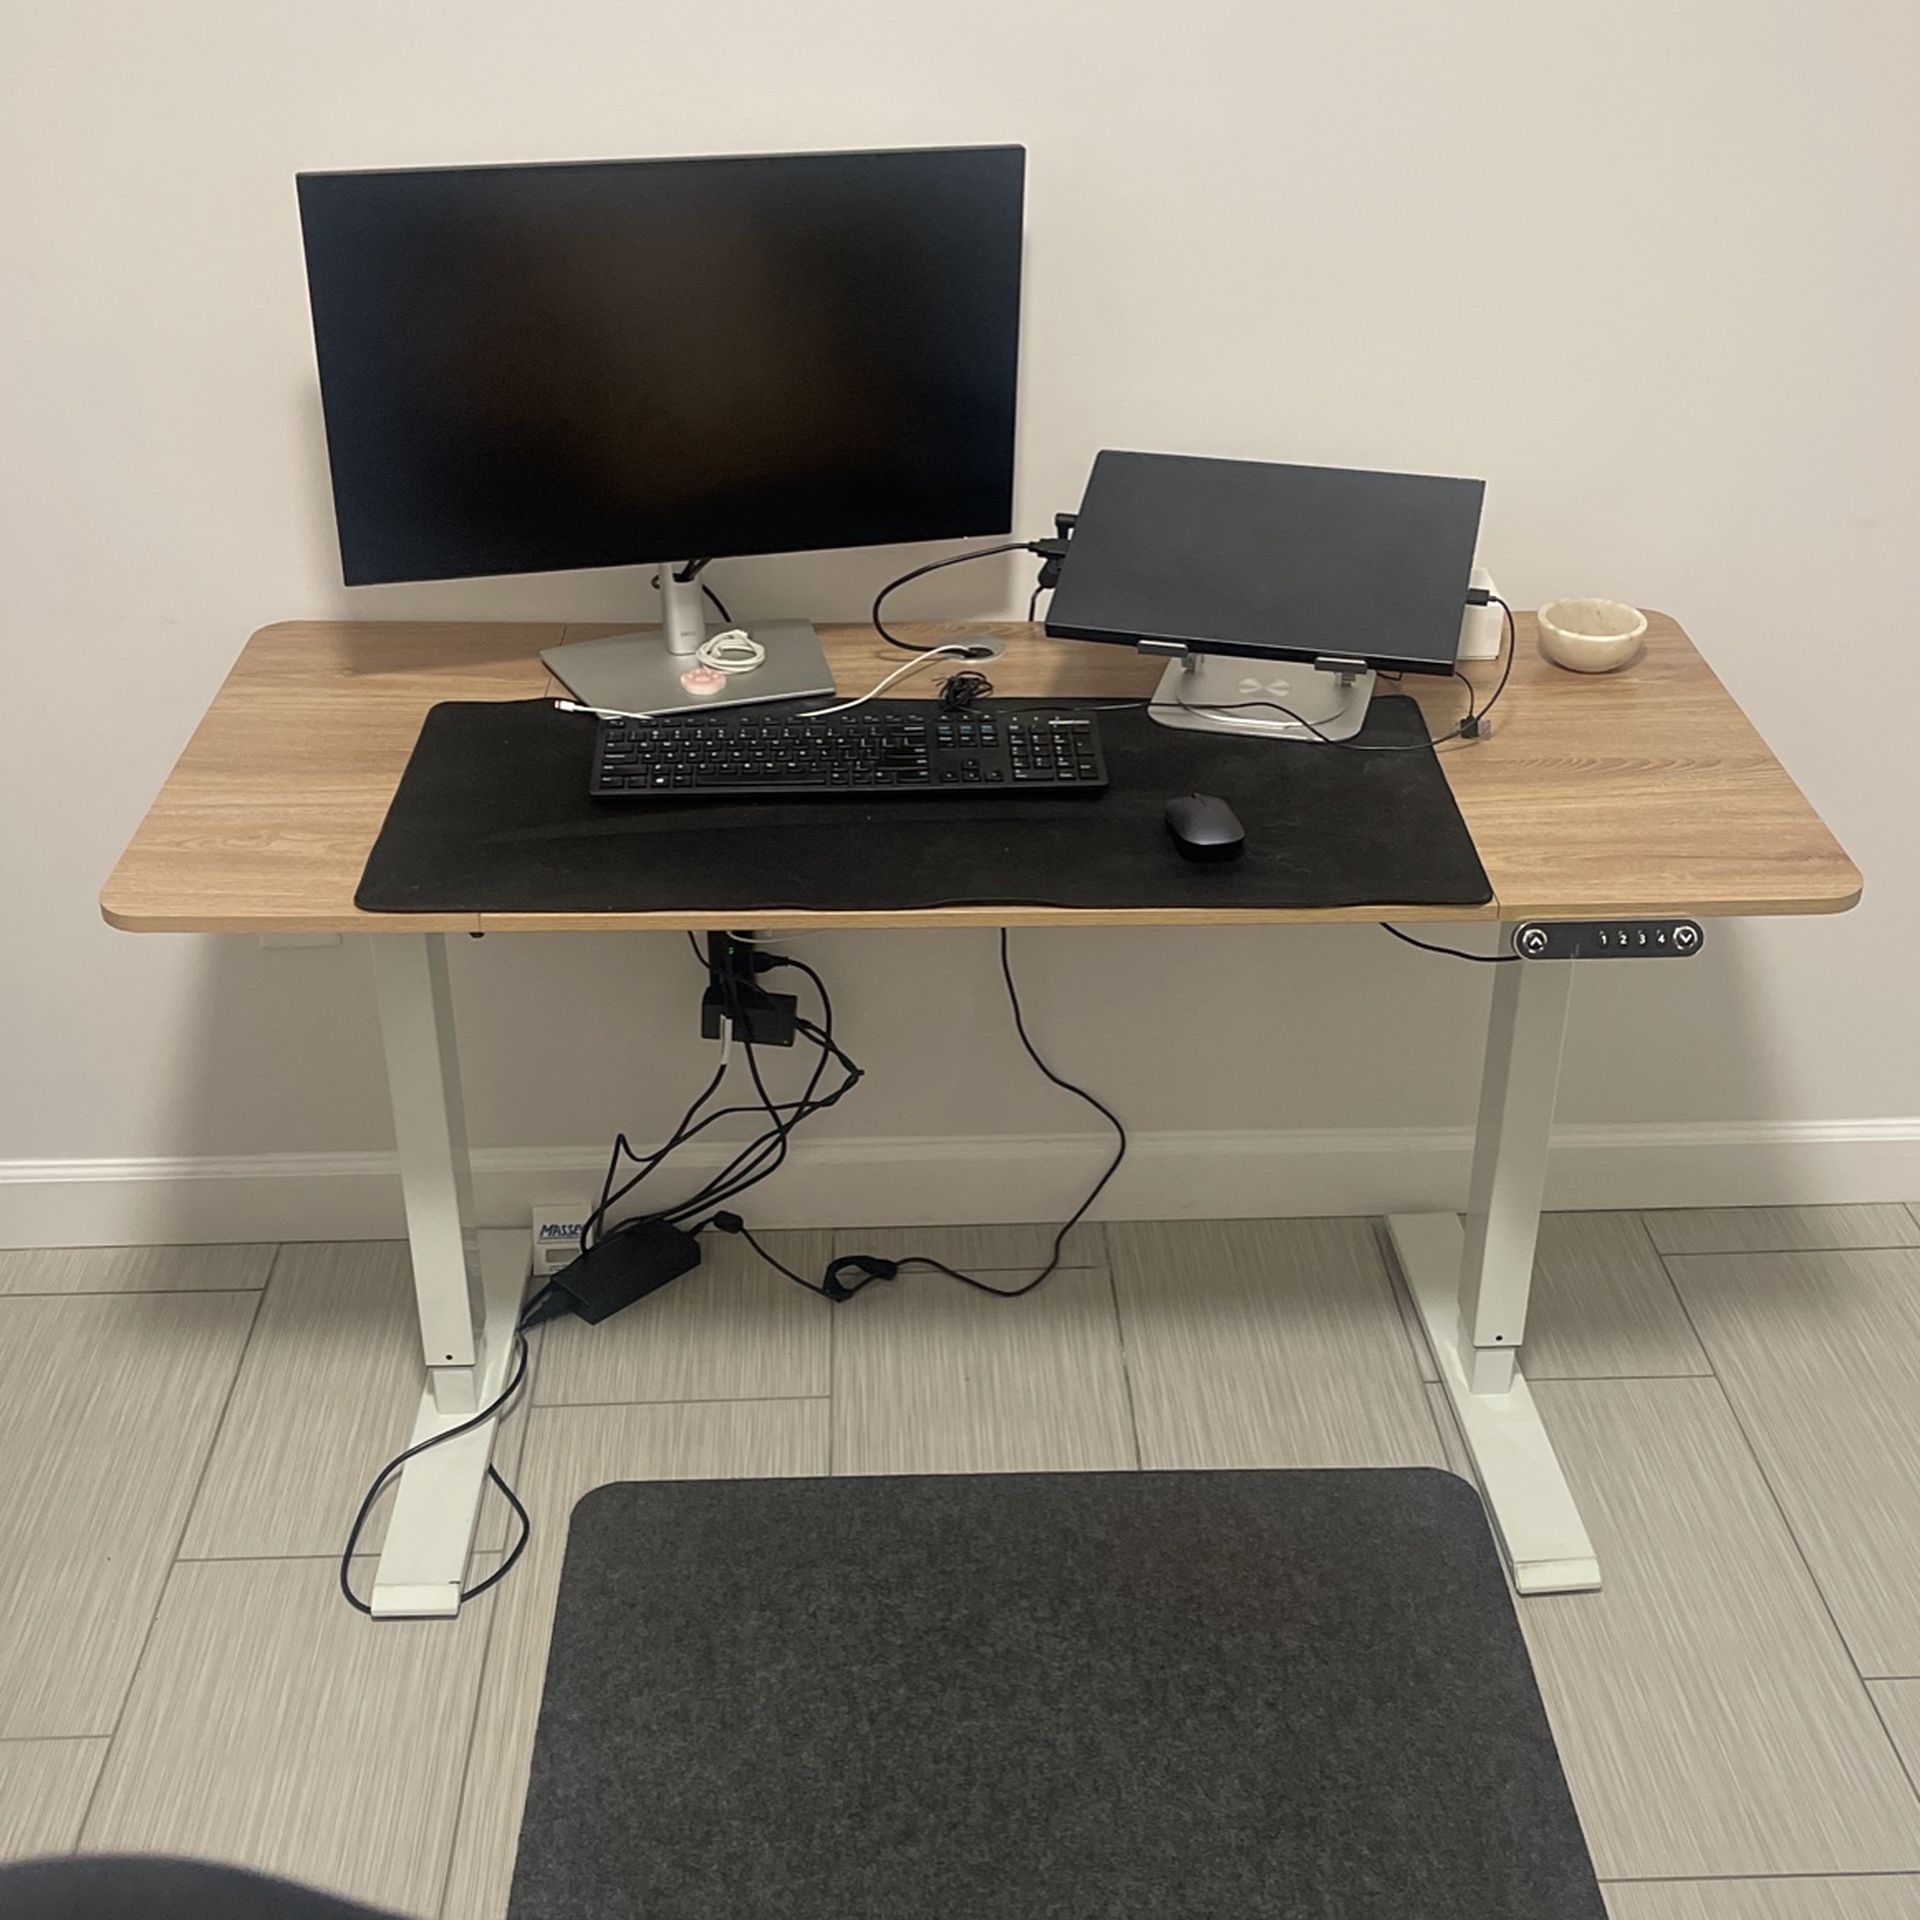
(1212, 692)
(634, 672)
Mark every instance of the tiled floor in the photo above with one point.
(1736, 1398)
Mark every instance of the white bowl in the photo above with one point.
(1591, 636)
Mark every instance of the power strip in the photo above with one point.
(1608, 939)
(1482, 628)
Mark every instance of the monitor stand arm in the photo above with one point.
(683, 608)
(1224, 693)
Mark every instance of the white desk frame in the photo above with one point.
(1471, 1285)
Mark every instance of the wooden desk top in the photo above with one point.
(1641, 793)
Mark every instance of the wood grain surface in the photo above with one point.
(44, 1789)
(1594, 795)
(1603, 1307)
(1891, 1897)
(326, 1394)
(344, 1773)
(108, 1404)
(1783, 1229)
(1706, 1712)
(1820, 1355)
(133, 1269)
(1898, 1704)
(1266, 1343)
(931, 1377)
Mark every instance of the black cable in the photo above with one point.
(959, 691)
(780, 1266)
(756, 1160)
(747, 1167)
(691, 1124)
(1468, 728)
(799, 1109)
(1350, 746)
(758, 1157)
(870, 1269)
(1513, 646)
(610, 1196)
(1033, 603)
(934, 566)
(767, 1154)
(741, 1172)
(691, 572)
(399, 1460)
(764, 1155)
(1066, 1086)
(1452, 953)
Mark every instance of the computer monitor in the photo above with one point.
(1230, 566)
(657, 362)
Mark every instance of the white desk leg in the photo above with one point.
(1471, 1285)
(468, 1286)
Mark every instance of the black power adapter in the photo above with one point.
(630, 1263)
(764, 1018)
(760, 1018)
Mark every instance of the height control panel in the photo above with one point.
(1608, 939)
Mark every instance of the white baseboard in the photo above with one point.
(855, 1182)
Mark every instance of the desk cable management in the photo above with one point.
(757, 1159)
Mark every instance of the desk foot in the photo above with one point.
(1535, 1520)
(423, 1565)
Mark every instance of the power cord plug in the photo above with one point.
(1053, 552)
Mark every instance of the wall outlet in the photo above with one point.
(556, 1234)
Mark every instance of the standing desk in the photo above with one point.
(1639, 795)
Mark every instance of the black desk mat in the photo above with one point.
(492, 816)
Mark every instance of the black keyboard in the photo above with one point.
(886, 746)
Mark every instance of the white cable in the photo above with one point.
(733, 651)
(899, 673)
(603, 713)
(879, 687)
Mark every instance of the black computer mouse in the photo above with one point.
(1204, 827)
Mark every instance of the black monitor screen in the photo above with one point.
(536, 367)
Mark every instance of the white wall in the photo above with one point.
(1647, 267)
